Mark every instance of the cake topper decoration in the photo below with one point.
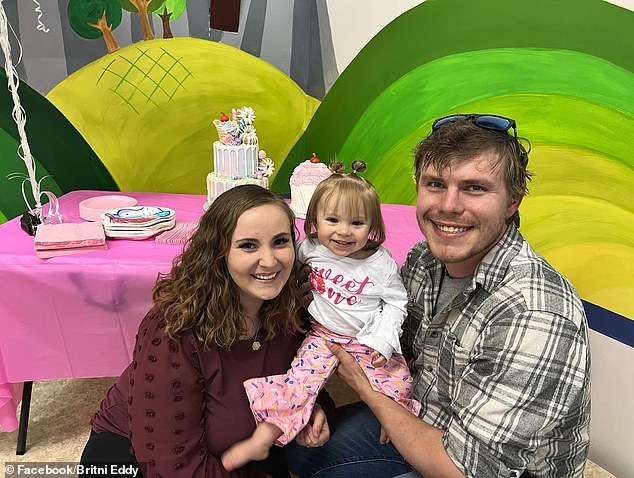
(240, 127)
(265, 165)
(246, 115)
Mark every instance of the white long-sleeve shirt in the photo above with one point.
(363, 298)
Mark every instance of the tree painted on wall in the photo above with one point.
(170, 10)
(95, 18)
(142, 7)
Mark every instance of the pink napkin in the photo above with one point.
(48, 253)
(68, 238)
(179, 234)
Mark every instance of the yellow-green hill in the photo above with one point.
(147, 109)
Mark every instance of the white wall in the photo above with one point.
(353, 23)
(629, 4)
(612, 425)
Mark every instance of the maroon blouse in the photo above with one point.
(181, 405)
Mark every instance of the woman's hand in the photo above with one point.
(317, 432)
(384, 438)
(303, 272)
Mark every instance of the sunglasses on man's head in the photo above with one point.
(492, 122)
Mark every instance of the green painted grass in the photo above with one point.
(442, 87)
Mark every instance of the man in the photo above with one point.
(497, 337)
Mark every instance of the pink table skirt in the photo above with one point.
(76, 316)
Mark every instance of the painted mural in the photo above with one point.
(57, 40)
(147, 109)
(570, 92)
(143, 107)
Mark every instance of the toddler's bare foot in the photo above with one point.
(254, 448)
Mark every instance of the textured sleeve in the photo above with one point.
(524, 383)
(382, 332)
(165, 405)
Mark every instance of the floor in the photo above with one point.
(61, 409)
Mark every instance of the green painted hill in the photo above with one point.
(58, 149)
(437, 29)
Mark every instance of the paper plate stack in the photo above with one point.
(137, 222)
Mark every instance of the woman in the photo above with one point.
(227, 311)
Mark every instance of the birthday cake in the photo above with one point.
(237, 157)
(304, 180)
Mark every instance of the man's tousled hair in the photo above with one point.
(464, 140)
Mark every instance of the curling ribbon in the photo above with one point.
(19, 116)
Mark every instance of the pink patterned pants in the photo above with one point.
(287, 400)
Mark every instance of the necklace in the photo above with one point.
(255, 345)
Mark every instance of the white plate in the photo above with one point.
(92, 208)
(137, 234)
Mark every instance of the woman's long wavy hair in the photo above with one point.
(199, 294)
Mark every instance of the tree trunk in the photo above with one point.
(106, 31)
(111, 41)
(141, 6)
(165, 17)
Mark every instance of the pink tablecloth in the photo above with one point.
(77, 315)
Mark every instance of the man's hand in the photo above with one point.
(317, 432)
(350, 371)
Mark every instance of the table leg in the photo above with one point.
(24, 418)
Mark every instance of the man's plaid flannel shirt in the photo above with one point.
(504, 370)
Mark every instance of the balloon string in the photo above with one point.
(40, 25)
(19, 116)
